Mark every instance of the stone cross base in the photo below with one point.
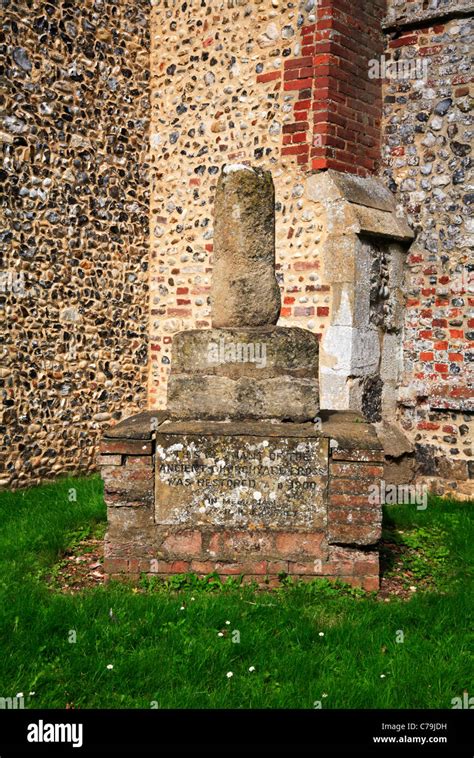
(265, 373)
(260, 500)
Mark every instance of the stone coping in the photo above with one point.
(138, 427)
(372, 209)
(347, 428)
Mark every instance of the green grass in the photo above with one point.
(174, 658)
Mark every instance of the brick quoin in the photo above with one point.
(330, 79)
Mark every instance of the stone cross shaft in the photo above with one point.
(244, 292)
(244, 367)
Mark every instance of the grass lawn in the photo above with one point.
(172, 645)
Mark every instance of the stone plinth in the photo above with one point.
(271, 372)
(205, 497)
(244, 367)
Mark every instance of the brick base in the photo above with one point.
(345, 549)
(354, 567)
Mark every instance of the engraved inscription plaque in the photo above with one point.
(241, 481)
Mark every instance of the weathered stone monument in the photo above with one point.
(243, 474)
(245, 367)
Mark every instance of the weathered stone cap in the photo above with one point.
(395, 442)
(405, 14)
(348, 429)
(138, 427)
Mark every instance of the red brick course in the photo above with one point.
(184, 543)
(291, 544)
(125, 447)
(360, 573)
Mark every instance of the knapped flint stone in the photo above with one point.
(21, 59)
(219, 397)
(244, 288)
(262, 353)
(443, 106)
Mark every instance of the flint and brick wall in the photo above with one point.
(237, 81)
(427, 164)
